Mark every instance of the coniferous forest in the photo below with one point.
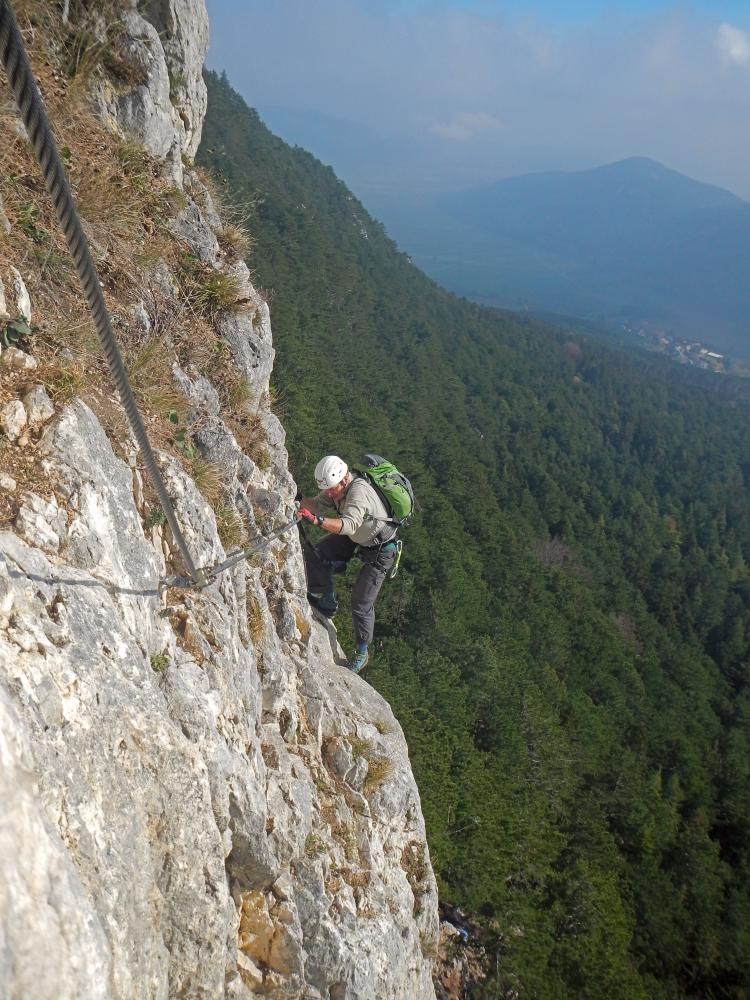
(567, 643)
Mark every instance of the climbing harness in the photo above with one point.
(16, 63)
(397, 544)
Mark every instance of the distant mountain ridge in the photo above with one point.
(631, 240)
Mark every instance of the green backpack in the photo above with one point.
(394, 488)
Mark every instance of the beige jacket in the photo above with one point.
(364, 514)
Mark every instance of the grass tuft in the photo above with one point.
(230, 527)
(209, 478)
(360, 747)
(150, 373)
(207, 291)
(261, 456)
(239, 395)
(156, 516)
(383, 727)
(235, 239)
(159, 662)
(255, 623)
(379, 769)
(276, 401)
(314, 845)
(64, 379)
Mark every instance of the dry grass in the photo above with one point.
(93, 41)
(121, 207)
(256, 625)
(230, 527)
(150, 371)
(314, 845)
(303, 626)
(247, 429)
(210, 183)
(360, 747)
(235, 240)
(209, 478)
(260, 455)
(64, 379)
(239, 394)
(82, 340)
(414, 865)
(118, 188)
(333, 884)
(276, 399)
(356, 879)
(379, 769)
(124, 202)
(21, 464)
(329, 815)
(207, 292)
(114, 214)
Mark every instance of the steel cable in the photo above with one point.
(29, 101)
(234, 558)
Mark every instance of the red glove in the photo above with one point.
(309, 516)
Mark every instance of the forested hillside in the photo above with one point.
(567, 643)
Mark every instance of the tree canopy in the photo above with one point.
(566, 646)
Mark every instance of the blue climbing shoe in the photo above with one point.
(359, 661)
(327, 604)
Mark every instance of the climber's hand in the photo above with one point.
(308, 515)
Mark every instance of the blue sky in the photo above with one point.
(577, 11)
(590, 8)
(419, 95)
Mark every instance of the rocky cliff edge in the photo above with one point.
(198, 799)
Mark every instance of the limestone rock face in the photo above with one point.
(145, 112)
(182, 26)
(248, 334)
(175, 772)
(13, 419)
(38, 405)
(41, 896)
(17, 304)
(198, 799)
(17, 360)
(165, 44)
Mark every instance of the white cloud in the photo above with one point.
(467, 125)
(734, 44)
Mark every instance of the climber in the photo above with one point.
(349, 508)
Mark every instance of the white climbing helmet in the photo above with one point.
(330, 471)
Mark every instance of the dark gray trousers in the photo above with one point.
(331, 555)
